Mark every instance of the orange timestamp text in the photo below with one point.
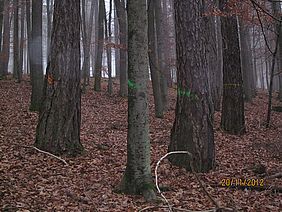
(241, 182)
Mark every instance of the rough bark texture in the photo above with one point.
(153, 58)
(232, 119)
(5, 51)
(192, 129)
(137, 178)
(58, 129)
(36, 61)
(121, 14)
(214, 73)
(98, 62)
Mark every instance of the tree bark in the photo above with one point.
(160, 50)
(36, 58)
(5, 51)
(58, 129)
(22, 39)
(192, 129)
(121, 14)
(277, 12)
(1, 22)
(98, 63)
(233, 118)
(87, 42)
(16, 69)
(246, 61)
(153, 58)
(117, 50)
(137, 178)
(108, 35)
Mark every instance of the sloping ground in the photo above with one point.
(32, 181)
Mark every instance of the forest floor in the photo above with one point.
(32, 181)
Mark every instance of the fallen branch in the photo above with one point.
(47, 153)
(218, 208)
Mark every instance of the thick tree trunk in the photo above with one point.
(233, 118)
(153, 58)
(121, 14)
(5, 51)
(58, 129)
(36, 60)
(137, 178)
(192, 129)
(98, 63)
(16, 70)
(212, 58)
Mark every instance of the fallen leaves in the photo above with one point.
(32, 181)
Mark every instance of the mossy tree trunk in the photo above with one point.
(137, 178)
(233, 117)
(58, 129)
(192, 129)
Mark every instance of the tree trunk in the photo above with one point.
(28, 36)
(137, 177)
(108, 35)
(160, 50)
(246, 60)
(16, 70)
(117, 50)
(36, 60)
(233, 118)
(277, 12)
(5, 51)
(1, 23)
(121, 14)
(87, 42)
(98, 63)
(58, 129)
(192, 129)
(212, 55)
(22, 39)
(153, 58)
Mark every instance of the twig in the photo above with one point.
(48, 153)
(193, 171)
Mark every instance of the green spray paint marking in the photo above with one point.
(187, 93)
(132, 85)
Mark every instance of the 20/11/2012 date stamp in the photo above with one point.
(241, 182)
